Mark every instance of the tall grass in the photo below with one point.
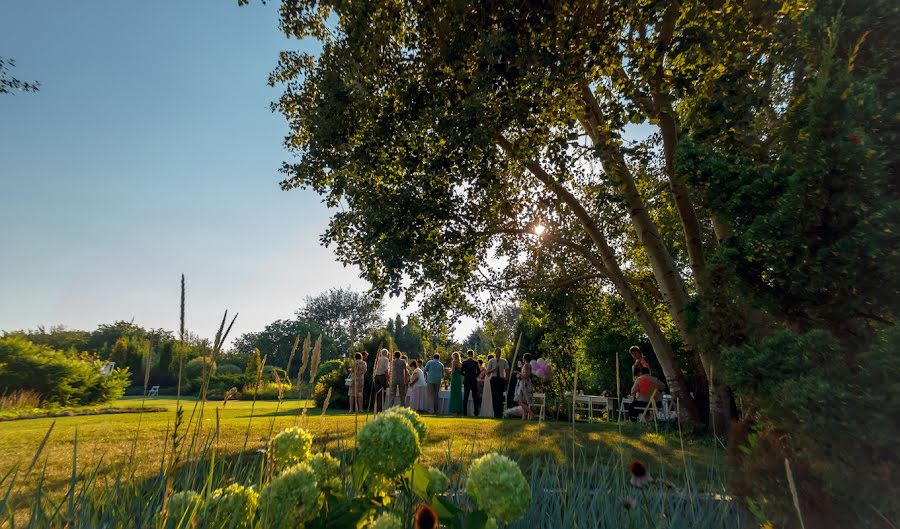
(20, 399)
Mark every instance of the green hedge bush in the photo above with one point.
(65, 379)
(336, 380)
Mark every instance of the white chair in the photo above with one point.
(154, 392)
(539, 402)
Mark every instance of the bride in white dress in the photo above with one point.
(487, 401)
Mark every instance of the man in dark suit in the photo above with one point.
(470, 372)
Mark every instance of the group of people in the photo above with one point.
(485, 383)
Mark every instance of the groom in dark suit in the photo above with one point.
(470, 372)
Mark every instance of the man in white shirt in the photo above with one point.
(498, 382)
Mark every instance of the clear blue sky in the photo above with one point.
(150, 151)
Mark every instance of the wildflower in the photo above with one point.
(627, 502)
(425, 518)
(639, 476)
(413, 418)
(498, 487)
(386, 521)
(326, 468)
(437, 481)
(232, 506)
(392, 445)
(291, 499)
(291, 446)
(183, 509)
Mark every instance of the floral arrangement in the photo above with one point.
(541, 369)
(290, 447)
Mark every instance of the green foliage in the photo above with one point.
(197, 368)
(344, 315)
(336, 381)
(276, 341)
(253, 365)
(290, 446)
(803, 293)
(228, 369)
(60, 378)
(328, 367)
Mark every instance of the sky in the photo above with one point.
(150, 151)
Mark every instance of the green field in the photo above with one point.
(108, 440)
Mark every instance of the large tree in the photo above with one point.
(494, 130)
(343, 314)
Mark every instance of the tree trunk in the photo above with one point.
(610, 267)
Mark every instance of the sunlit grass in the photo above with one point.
(106, 441)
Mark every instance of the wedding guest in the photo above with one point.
(524, 388)
(487, 396)
(456, 381)
(367, 381)
(417, 386)
(480, 382)
(399, 380)
(498, 382)
(357, 375)
(382, 365)
(471, 372)
(640, 361)
(434, 372)
(644, 387)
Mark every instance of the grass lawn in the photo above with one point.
(107, 440)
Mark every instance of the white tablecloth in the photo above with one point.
(443, 401)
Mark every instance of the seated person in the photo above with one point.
(644, 386)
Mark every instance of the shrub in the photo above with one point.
(58, 377)
(328, 367)
(195, 369)
(269, 391)
(291, 446)
(498, 487)
(232, 506)
(291, 499)
(336, 380)
(228, 369)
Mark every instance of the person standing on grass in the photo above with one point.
(498, 382)
(417, 386)
(524, 388)
(456, 384)
(399, 380)
(367, 382)
(382, 366)
(470, 372)
(487, 396)
(357, 375)
(434, 372)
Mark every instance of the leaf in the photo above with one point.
(360, 471)
(419, 478)
(476, 520)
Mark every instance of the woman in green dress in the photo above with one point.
(456, 379)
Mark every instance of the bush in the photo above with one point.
(219, 384)
(328, 367)
(269, 391)
(229, 369)
(60, 378)
(194, 369)
(336, 380)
